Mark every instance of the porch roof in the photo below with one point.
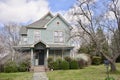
(51, 46)
(59, 46)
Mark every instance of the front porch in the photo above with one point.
(41, 52)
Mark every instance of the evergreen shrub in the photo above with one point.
(74, 64)
(64, 65)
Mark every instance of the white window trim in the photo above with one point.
(39, 35)
(54, 36)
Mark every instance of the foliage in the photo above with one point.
(84, 59)
(88, 49)
(59, 60)
(81, 63)
(50, 59)
(24, 66)
(64, 65)
(10, 66)
(53, 65)
(68, 59)
(118, 59)
(1, 68)
(74, 64)
(109, 78)
(96, 60)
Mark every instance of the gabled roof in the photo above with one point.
(58, 15)
(41, 22)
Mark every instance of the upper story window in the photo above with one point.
(36, 35)
(58, 37)
(25, 39)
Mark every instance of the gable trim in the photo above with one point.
(39, 42)
(58, 15)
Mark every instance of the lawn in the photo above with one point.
(16, 76)
(88, 73)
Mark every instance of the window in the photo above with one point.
(36, 35)
(58, 37)
(24, 40)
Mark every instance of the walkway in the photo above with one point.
(40, 76)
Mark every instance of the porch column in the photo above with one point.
(47, 53)
(32, 60)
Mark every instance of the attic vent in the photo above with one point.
(57, 22)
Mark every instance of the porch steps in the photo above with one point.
(39, 68)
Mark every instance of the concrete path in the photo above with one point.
(40, 76)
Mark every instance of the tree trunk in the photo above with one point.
(113, 67)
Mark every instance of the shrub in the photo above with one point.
(81, 63)
(24, 66)
(74, 64)
(1, 68)
(85, 59)
(59, 60)
(50, 59)
(96, 60)
(55, 65)
(50, 65)
(10, 67)
(64, 65)
(68, 59)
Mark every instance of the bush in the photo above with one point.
(50, 65)
(59, 60)
(10, 67)
(81, 63)
(50, 59)
(24, 66)
(55, 65)
(64, 65)
(68, 59)
(74, 64)
(1, 68)
(85, 59)
(96, 60)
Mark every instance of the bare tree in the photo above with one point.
(93, 22)
(10, 38)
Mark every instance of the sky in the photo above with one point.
(27, 11)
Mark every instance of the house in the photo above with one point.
(46, 37)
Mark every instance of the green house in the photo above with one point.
(46, 37)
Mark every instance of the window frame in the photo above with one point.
(58, 37)
(37, 36)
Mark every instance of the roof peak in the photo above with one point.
(49, 13)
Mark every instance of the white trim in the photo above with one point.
(63, 37)
(58, 15)
(47, 53)
(38, 42)
(32, 60)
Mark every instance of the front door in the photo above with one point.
(41, 57)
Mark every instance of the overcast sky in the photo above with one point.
(27, 11)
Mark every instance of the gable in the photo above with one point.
(41, 22)
(58, 21)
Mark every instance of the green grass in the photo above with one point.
(88, 73)
(16, 76)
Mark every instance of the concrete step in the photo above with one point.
(39, 68)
